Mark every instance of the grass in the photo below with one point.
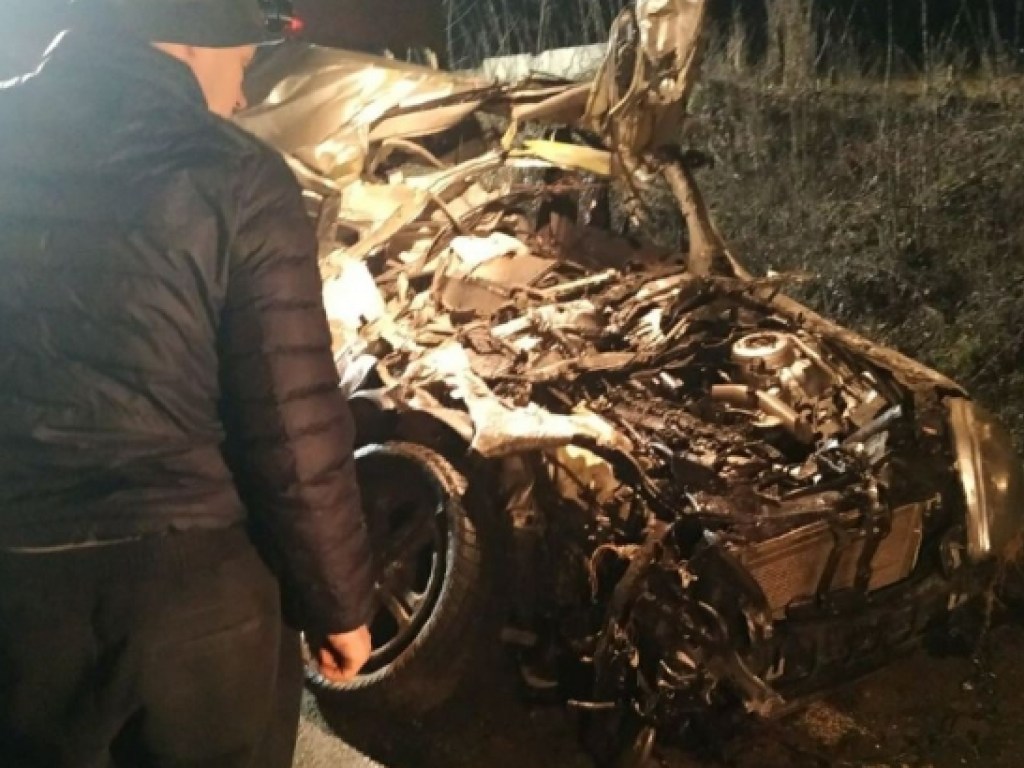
(901, 195)
(907, 212)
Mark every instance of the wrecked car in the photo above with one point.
(678, 492)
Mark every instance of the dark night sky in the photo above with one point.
(956, 25)
(962, 25)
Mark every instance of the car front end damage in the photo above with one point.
(709, 502)
(709, 498)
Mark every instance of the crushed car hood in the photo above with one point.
(325, 107)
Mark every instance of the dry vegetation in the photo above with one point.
(896, 185)
(893, 179)
(908, 215)
(906, 211)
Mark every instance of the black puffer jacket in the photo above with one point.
(164, 353)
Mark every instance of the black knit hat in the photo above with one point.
(203, 23)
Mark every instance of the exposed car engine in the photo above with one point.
(729, 469)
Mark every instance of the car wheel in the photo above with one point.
(430, 586)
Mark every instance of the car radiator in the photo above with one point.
(789, 567)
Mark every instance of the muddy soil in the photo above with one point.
(927, 710)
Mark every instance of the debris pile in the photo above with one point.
(693, 448)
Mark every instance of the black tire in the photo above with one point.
(421, 663)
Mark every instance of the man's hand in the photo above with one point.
(342, 656)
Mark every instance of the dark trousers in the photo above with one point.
(162, 653)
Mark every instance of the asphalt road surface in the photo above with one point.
(319, 748)
(929, 710)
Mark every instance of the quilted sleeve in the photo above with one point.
(289, 430)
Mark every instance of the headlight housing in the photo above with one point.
(991, 476)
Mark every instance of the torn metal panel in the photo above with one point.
(571, 63)
(564, 106)
(322, 106)
(990, 475)
(351, 298)
(379, 214)
(670, 40)
(498, 429)
(639, 98)
(571, 156)
(584, 477)
(423, 122)
(482, 275)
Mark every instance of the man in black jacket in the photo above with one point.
(167, 397)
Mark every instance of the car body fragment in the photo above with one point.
(712, 498)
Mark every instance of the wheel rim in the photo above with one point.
(411, 573)
(405, 505)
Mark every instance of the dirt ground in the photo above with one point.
(924, 711)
